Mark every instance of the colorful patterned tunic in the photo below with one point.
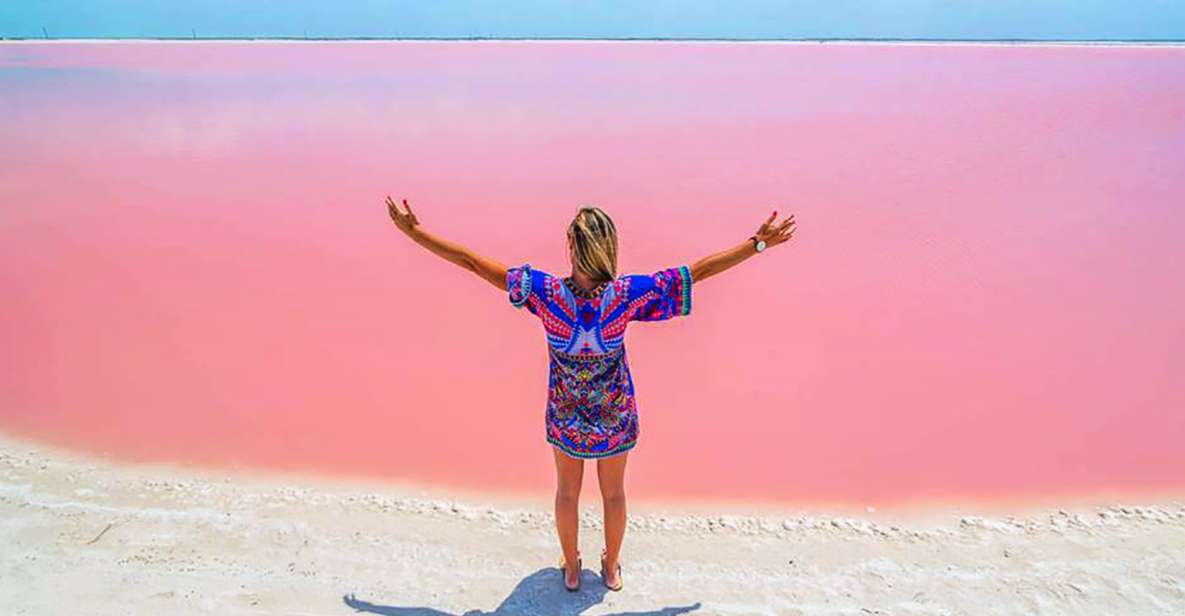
(591, 411)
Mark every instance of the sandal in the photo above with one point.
(564, 572)
(620, 582)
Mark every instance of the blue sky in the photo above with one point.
(950, 19)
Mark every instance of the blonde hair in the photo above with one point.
(594, 240)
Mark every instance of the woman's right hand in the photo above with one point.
(775, 234)
(408, 222)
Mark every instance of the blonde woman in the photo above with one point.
(591, 413)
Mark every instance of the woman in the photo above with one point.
(591, 412)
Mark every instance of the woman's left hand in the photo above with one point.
(407, 223)
(775, 234)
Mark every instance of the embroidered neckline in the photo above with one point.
(586, 294)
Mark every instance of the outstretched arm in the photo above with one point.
(720, 261)
(488, 269)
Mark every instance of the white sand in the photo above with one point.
(83, 535)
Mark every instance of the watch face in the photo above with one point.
(760, 245)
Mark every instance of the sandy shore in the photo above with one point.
(86, 535)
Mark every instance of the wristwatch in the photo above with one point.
(758, 244)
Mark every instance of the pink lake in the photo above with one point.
(983, 300)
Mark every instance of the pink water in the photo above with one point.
(984, 298)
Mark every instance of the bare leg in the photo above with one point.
(611, 476)
(569, 475)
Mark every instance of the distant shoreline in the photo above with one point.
(480, 39)
(901, 509)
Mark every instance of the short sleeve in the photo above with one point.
(662, 295)
(525, 287)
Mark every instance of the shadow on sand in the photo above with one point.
(542, 592)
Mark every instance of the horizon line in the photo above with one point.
(597, 39)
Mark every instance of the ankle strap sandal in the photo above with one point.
(564, 572)
(605, 580)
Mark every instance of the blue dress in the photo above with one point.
(591, 411)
